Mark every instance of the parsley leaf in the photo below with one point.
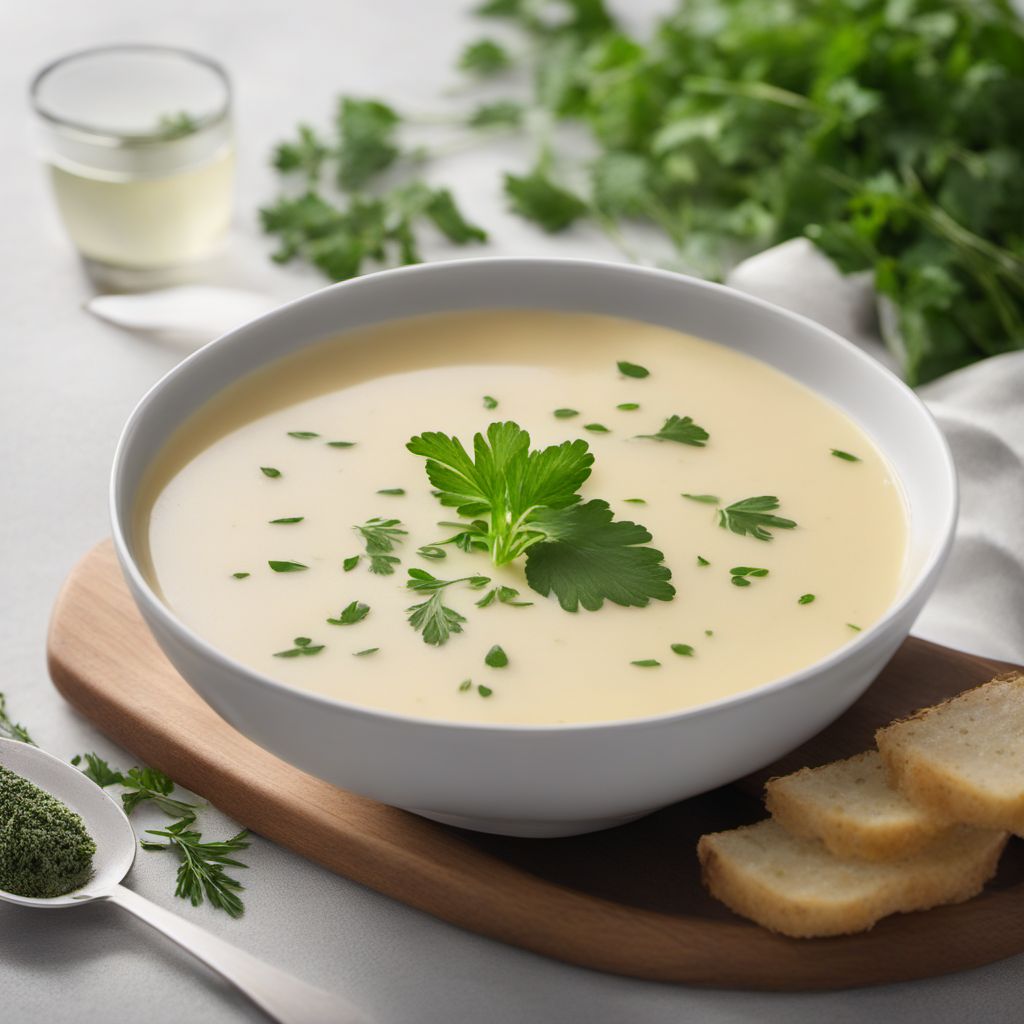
(633, 370)
(366, 129)
(287, 566)
(681, 429)
(752, 516)
(588, 557)
(484, 57)
(380, 537)
(352, 613)
(537, 198)
(496, 658)
(304, 646)
(10, 729)
(435, 620)
(845, 456)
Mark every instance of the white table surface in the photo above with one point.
(68, 383)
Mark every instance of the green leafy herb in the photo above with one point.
(681, 429)
(537, 198)
(396, 491)
(597, 428)
(633, 370)
(752, 516)
(380, 537)
(806, 599)
(287, 566)
(709, 632)
(270, 471)
(350, 563)
(701, 560)
(465, 685)
(435, 620)
(628, 406)
(845, 456)
(340, 444)
(141, 785)
(306, 155)
(434, 551)
(10, 729)
(423, 582)
(635, 501)
(704, 499)
(288, 519)
(503, 595)
(565, 414)
(484, 691)
(684, 650)
(496, 657)
(501, 114)
(363, 654)
(352, 613)
(855, 628)
(240, 575)
(484, 57)
(176, 126)
(740, 575)
(304, 646)
(302, 435)
(98, 770)
(647, 663)
(201, 873)
(490, 402)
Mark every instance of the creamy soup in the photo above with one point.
(782, 526)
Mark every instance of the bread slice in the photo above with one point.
(964, 759)
(796, 887)
(851, 808)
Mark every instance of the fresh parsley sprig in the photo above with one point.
(140, 785)
(526, 502)
(754, 517)
(380, 537)
(10, 729)
(681, 429)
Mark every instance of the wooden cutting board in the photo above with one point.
(627, 900)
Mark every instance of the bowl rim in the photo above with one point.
(930, 569)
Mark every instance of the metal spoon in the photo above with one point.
(279, 995)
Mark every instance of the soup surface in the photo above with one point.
(247, 522)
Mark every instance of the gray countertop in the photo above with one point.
(68, 383)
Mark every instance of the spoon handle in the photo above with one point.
(281, 996)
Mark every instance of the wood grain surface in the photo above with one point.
(627, 900)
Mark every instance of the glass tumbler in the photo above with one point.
(137, 140)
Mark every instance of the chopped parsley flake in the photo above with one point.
(855, 628)
(845, 456)
(302, 435)
(633, 370)
(380, 536)
(806, 599)
(363, 654)
(240, 575)
(752, 517)
(628, 406)
(287, 566)
(496, 657)
(484, 691)
(597, 428)
(490, 402)
(270, 471)
(647, 663)
(701, 560)
(303, 646)
(635, 501)
(288, 519)
(684, 650)
(704, 499)
(565, 414)
(340, 444)
(350, 563)
(741, 573)
(466, 684)
(392, 490)
(352, 613)
(681, 429)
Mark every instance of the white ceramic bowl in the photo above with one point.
(563, 779)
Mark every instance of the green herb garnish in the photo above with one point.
(10, 729)
(855, 628)
(635, 501)
(340, 444)
(503, 595)
(684, 650)
(270, 471)
(845, 456)
(201, 873)
(302, 435)
(142, 785)
(288, 519)
(465, 685)
(806, 599)
(433, 618)
(740, 575)
(287, 566)
(350, 563)
(628, 406)
(501, 114)
(633, 370)
(681, 429)
(363, 654)
(484, 691)
(701, 560)
(303, 646)
(647, 663)
(240, 575)
(352, 613)
(565, 414)
(484, 57)
(709, 632)
(380, 537)
(396, 491)
(752, 516)
(496, 657)
(537, 197)
(434, 551)
(490, 402)
(704, 499)
(525, 502)
(596, 428)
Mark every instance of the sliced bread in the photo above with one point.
(964, 759)
(795, 886)
(851, 808)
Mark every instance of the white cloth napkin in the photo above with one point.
(979, 603)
